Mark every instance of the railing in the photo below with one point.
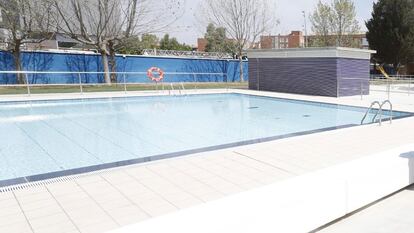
(192, 54)
(125, 80)
(391, 108)
(380, 84)
(370, 109)
(378, 111)
(380, 76)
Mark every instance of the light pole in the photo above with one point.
(306, 29)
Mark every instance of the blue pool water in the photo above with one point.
(53, 136)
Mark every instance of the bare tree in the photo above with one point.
(147, 16)
(26, 21)
(322, 25)
(140, 17)
(244, 21)
(93, 22)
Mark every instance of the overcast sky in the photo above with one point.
(187, 29)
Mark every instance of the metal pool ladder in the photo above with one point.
(182, 88)
(379, 111)
(171, 91)
(180, 91)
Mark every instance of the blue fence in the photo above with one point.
(45, 61)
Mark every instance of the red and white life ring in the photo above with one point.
(152, 70)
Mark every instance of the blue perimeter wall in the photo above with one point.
(45, 61)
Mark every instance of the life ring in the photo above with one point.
(152, 70)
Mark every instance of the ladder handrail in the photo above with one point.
(391, 108)
(172, 88)
(379, 111)
(182, 87)
(369, 110)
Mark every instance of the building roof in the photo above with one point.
(311, 52)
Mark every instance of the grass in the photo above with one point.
(115, 87)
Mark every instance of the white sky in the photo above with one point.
(187, 29)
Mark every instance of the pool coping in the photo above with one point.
(152, 94)
(94, 168)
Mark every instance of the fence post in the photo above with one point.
(80, 83)
(388, 88)
(195, 81)
(125, 87)
(27, 84)
(227, 83)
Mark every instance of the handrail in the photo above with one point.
(172, 89)
(391, 111)
(380, 109)
(77, 78)
(101, 72)
(369, 110)
(182, 88)
(192, 54)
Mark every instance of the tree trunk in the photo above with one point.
(105, 66)
(20, 79)
(241, 66)
(112, 61)
(397, 67)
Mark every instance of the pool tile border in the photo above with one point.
(83, 170)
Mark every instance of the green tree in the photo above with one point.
(129, 45)
(321, 25)
(136, 45)
(334, 24)
(167, 43)
(391, 31)
(344, 22)
(149, 41)
(217, 40)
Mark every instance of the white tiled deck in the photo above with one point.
(113, 198)
(394, 214)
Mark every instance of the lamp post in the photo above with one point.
(306, 29)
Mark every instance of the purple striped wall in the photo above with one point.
(353, 76)
(309, 76)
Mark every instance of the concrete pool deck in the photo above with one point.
(266, 187)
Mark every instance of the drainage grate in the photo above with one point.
(253, 107)
(62, 179)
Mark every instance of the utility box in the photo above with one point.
(333, 72)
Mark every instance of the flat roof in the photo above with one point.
(332, 52)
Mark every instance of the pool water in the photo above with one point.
(48, 137)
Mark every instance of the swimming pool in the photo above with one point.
(45, 139)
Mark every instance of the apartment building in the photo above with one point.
(293, 40)
(296, 39)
